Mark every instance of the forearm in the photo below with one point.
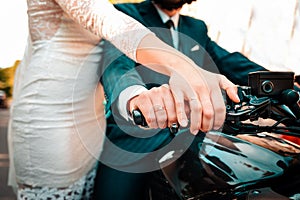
(188, 82)
(103, 20)
(160, 57)
(117, 72)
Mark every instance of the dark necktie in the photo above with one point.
(170, 24)
(169, 39)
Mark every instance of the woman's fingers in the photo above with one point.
(205, 99)
(230, 88)
(165, 105)
(181, 90)
(169, 105)
(197, 95)
(195, 115)
(219, 107)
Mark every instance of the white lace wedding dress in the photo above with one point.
(57, 116)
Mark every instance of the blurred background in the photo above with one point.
(266, 31)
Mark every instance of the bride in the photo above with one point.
(57, 117)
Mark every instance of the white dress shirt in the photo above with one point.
(174, 30)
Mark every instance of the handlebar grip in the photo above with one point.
(290, 98)
(140, 120)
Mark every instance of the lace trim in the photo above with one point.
(80, 190)
(46, 17)
(102, 19)
(44, 20)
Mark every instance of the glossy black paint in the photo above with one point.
(220, 166)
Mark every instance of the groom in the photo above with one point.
(124, 81)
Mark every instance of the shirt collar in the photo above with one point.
(164, 17)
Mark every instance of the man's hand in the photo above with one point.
(204, 109)
(157, 105)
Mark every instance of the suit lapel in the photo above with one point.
(150, 15)
(188, 36)
(184, 38)
(153, 21)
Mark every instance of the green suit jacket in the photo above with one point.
(120, 72)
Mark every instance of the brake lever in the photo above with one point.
(249, 107)
(140, 120)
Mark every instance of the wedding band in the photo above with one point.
(193, 98)
(158, 108)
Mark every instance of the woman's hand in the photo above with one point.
(188, 82)
(203, 92)
(204, 110)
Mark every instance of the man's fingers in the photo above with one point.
(144, 104)
(164, 107)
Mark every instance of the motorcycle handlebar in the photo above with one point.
(251, 108)
(140, 120)
(289, 98)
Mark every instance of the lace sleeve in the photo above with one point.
(101, 18)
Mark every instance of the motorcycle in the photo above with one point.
(249, 158)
